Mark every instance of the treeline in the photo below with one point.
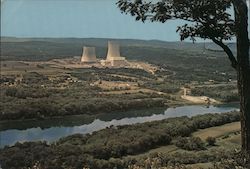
(221, 159)
(26, 92)
(36, 102)
(224, 93)
(166, 86)
(190, 143)
(105, 148)
(86, 73)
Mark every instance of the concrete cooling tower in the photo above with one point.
(113, 57)
(88, 55)
(113, 51)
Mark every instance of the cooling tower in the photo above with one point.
(88, 55)
(113, 56)
(114, 51)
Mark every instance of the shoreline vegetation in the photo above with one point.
(162, 106)
(86, 118)
(79, 119)
(132, 106)
(83, 118)
(109, 148)
(89, 113)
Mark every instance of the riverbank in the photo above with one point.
(53, 129)
(98, 115)
(101, 106)
(105, 148)
(80, 119)
(134, 106)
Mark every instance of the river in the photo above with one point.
(52, 129)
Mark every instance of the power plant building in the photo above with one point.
(88, 55)
(113, 56)
(113, 59)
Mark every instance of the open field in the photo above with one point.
(200, 99)
(227, 135)
(219, 131)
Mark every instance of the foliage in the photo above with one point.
(226, 93)
(211, 18)
(239, 160)
(102, 149)
(25, 92)
(190, 143)
(211, 141)
(207, 19)
(36, 96)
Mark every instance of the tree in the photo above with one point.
(208, 19)
(211, 141)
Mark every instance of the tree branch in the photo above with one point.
(228, 51)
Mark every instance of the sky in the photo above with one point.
(78, 18)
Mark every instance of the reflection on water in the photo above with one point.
(80, 124)
(70, 121)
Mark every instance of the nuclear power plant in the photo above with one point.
(113, 58)
(114, 51)
(88, 55)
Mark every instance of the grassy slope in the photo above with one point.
(219, 131)
(226, 135)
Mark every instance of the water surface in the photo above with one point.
(51, 130)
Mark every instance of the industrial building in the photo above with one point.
(114, 58)
(88, 55)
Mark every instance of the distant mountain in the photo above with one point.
(102, 42)
(215, 47)
(48, 48)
